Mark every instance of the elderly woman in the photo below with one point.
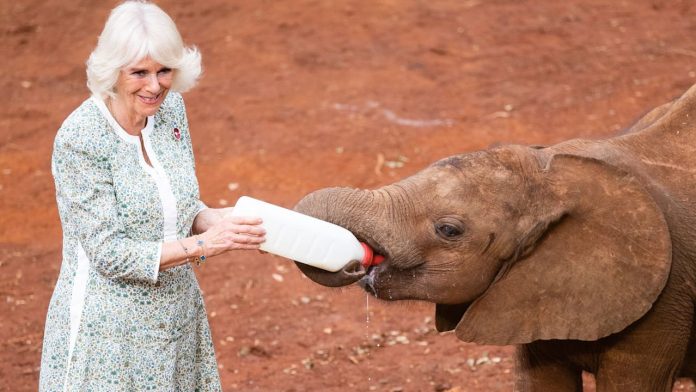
(127, 312)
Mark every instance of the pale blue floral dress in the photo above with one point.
(116, 323)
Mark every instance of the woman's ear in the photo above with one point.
(602, 260)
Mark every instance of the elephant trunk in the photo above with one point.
(345, 207)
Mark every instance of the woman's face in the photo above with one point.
(141, 87)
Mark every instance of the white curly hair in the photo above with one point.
(134, 30)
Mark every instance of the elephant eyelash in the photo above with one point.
(448, 231)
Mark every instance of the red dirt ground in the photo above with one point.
(304, 94)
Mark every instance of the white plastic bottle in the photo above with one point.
(305, 239)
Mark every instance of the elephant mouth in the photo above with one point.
(377, 248)
(367, 282)
(352, 272)
(384, 282)
(390, 282)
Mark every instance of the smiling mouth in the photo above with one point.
(150, 100)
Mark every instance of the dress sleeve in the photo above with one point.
(88, 205)
(201, 206)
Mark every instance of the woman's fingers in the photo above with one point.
(245, 220)
(243, 242)
(247, 239)
(245, 229)
(244, 225)
(235, 233)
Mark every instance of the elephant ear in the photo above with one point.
(602, 258)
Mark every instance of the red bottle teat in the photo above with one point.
(370, 257)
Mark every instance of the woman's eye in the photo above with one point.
(448, 230)
(164, 71)
(140, 74)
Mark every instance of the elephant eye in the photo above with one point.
(448, 230)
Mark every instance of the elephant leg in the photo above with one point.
(689, 367)
(643, 365)
(537, 371)
(650, 355)
(635, 376)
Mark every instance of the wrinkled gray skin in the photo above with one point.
(582, 254)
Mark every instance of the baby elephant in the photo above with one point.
(582, 254)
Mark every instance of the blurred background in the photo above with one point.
(302, 94)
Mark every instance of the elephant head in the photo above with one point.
(512, 244)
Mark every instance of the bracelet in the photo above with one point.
(200, 259)
(188, 256)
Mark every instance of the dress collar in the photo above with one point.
(101, 105)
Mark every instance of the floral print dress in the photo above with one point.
(115, 322)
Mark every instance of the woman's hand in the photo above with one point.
(232, 233)
(207, 218)
(223, 233)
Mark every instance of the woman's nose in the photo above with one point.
(153, 83)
